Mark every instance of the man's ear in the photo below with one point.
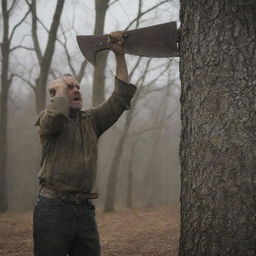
(52, 92)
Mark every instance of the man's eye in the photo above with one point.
(70, 86)
(78, 87)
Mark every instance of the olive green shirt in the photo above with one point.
(69, 147)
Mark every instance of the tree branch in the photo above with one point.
(81, 71)
(64, 45)
(18, 24)
(42, 24)
(12, 7)
(34, 31)
(22, 47)
(145, 12)
(135, 67)
(30, 84)
(113, 2)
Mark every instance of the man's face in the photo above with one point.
(74, 95)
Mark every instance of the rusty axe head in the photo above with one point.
(159, 41)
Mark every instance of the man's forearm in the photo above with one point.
(121, 67)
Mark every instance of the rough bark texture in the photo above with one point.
(5, 85)
(218, 139)
(99, 70)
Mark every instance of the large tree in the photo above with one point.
(218, 139)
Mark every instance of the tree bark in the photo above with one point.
(99, 69)
(5, 85)
(218, 138)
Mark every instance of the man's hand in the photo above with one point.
(116, 42)
(58, 87)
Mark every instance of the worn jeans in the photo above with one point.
(62, 228)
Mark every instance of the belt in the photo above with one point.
(77, 198)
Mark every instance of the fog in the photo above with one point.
(149, 156)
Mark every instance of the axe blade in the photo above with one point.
(159, 41)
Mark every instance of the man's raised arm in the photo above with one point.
(108, 112)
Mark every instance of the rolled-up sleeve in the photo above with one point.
(106, 114)
(51, 119)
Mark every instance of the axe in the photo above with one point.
(158, 41)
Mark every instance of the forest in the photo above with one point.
(176, 173)
(38, 45)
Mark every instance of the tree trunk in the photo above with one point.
(5, 85)
(112, 177)
(3, 144)
(99, 69)
(218, 145)
(114, 168)
(45, 60)
(130, 178)
(40, 93)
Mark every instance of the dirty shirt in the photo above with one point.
(69, 147)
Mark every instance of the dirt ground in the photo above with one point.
(147, 232)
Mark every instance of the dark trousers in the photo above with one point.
(62, 228)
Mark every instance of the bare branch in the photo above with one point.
(81, 71)
(11, 78)
(42, 24)
(113, 2)
(18, 24)
(34, 31)
(12, 6)
(64, 45)
(135, 67)
(139, 14)
(30, 84)
(54, 75)
(171, 114)
(145, 12)
(160, 74)
(142, 78)
(22, 47)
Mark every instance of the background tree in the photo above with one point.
(44, 58)
(6, 80)
(218, 60)
(99, 69)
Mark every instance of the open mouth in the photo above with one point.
(77, 98)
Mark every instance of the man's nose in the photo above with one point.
(75, 89)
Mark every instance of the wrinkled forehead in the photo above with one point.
(70, 80)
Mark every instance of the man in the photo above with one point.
(64, 216)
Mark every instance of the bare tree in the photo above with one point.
(99, 70)
(114, 168)
(112, 177)
(44, 58)
(218, 160)
(152, 176)
(6, 80)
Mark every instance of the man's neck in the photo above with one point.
(74, 113)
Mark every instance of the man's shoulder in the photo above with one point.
(39, 116)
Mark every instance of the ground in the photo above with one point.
(136, 232)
